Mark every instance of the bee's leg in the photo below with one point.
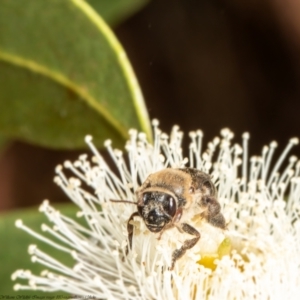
(188, 244)
(130, 231)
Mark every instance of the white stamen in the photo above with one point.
(262, 210)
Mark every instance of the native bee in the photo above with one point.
(170, 198)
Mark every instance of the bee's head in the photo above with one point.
(157, 209)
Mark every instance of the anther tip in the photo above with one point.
(155, 122)
(294, 141)
(88, 139)
(19, 223)
(107, 143)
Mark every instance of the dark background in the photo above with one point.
(205, 64)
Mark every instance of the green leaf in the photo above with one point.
(14, 244)
(114, 12)
(63, 75)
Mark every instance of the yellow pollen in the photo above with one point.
(208, 260)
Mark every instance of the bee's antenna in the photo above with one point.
(124, 201)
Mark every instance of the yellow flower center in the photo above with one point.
(208, 260)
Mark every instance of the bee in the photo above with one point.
(170, 198)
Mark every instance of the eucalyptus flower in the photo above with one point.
(257, 256)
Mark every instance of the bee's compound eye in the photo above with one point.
(170, 208)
